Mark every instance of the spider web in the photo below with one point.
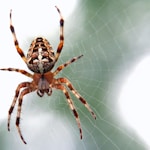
(114, 37)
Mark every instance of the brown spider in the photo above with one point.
(41, 59)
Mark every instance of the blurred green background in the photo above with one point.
(113, 35)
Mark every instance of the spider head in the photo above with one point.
(40, 57)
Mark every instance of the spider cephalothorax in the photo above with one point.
(43, 83)
(41, 59)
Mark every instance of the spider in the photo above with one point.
(40, 60)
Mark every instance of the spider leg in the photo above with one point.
(18, 70)
(66, 64)
(24, 92)
(74, 91)
(19, 50)
(61, 43)
(21, 85)
(72, 107)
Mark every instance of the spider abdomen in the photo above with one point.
(40, 57)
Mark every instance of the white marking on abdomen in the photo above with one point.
(40, 65)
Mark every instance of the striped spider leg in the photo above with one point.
(40, 60)
(19, 96)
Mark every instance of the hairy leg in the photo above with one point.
(23, 93)
(61, 43)
(21, 85)
(74, 91)
(71, 105)
(61, 67)
(18, 70)
(16, 43)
